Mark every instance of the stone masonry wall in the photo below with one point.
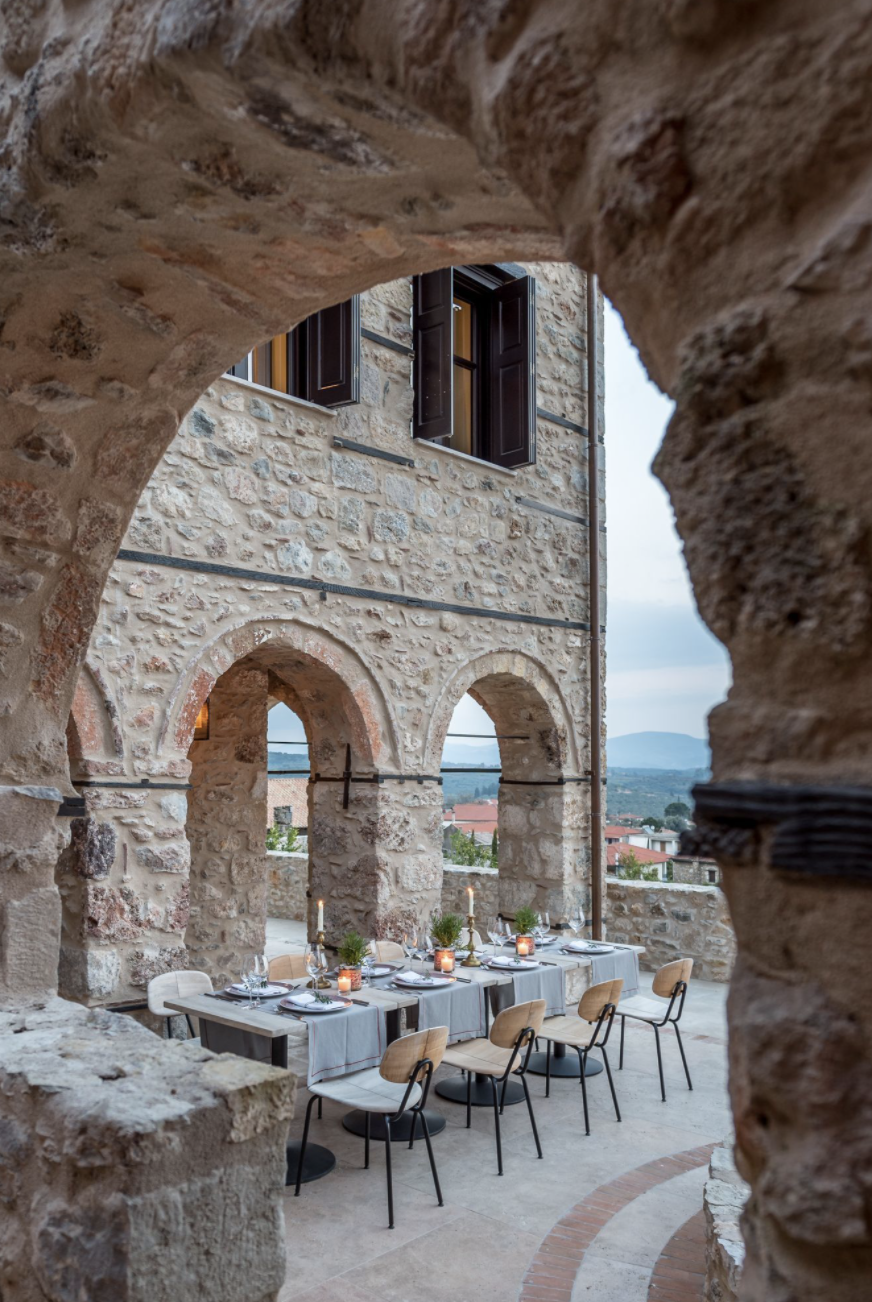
(253, 481)
(287, 878)
(724, 1199)
(484, 881)
(673, 921)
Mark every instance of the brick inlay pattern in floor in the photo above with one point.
(679, 1273)
(551, 1274)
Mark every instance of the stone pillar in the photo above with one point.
(227, 813)
(543, 848)
(127, 1167)
(378, 864)
(30, 911)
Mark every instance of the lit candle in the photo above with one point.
(320, 915)
(343, 985)
(471, 894)
(447, 962)
(523, 948)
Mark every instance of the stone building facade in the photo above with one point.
(368, 587)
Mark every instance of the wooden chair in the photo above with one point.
(175, 985)
(497, 1057)
(670, 987)
(589, 1029)
(399, 1084)
(287, 967)
(387, 951)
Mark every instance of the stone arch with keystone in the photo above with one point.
(544, 830)
(181, 182)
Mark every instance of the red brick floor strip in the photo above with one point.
(551, 1274)
(679, 1274)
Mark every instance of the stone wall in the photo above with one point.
(484, 881)
(143, 1156)
(673, 921)
(691, 870)
(287, 879)
(254, 484)
(724, 1199)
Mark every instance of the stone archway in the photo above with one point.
(544, 811)
(172, 200)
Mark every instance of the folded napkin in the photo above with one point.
(421, 978)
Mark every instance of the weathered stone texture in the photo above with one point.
(142, 1153)
(726, 1194)
(673, 921)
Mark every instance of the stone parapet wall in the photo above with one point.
(287, 879)
(673, 921)
(724, 1200)
(485, 882)
(123, 1159)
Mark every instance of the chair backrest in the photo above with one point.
(598, 997)
(287, 967)
(400, 1057)
(463, 942)
(667, 978)
(175, 985)
(509, 1024)
(387, 951)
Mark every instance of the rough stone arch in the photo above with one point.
(544, 831)
(94, 732)
(149, 238)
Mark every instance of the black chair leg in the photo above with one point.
(582, 1064)
(389, 1173)
(414, 1116)
(621, 1059)
(432, 1158)
(548, 1070)
(312, 1100)
(683, 1059)
(660, 1063)
(497, 1126)
(611, 1084)
(503, 1096)
(468, 1100)
(366, 1133)
(320, 1108)
(532, 1118)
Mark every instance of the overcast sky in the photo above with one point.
(665, 671)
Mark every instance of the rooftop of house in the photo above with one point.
(614, 853)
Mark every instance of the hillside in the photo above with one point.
(674, 751)
(644, 792)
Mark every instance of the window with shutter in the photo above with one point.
(474, 369)
(318, 360)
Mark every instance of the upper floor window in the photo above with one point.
(475, 363)
(318, 360)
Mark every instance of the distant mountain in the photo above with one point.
(284, 761)
(471, 756)
(658, 750)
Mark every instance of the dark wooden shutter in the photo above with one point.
(512, 379)
(240, 370)
(333, 354)
(433, 365)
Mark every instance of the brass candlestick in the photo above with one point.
(322, 983)
(471, 960)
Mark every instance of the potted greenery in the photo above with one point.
(352, 952)
(445, 930)
(525, 920)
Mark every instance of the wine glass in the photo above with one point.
(314, 965)
(494, 930)
(366, 966)
(545, 919)
(247, 979)
(410, 945)
(260, 968)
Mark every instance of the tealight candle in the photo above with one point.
(343, 985)
(448, 962)
(523, 948)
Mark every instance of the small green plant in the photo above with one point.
(273, 836)
(353, 949)
(446, 928)
(282, 838)
(630, 868)
(525, 920)
(291, 840)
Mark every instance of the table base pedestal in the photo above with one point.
(400, 1130)
(318, 1161)
(565, 1066)
(454, 1089)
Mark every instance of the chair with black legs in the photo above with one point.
(670, 988)
(399, 1084)
(505, 1051)
(590, 1029)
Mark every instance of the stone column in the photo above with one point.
(30, 910)
(543, 848)
(227, 814)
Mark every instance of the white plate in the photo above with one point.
(334, 1006)
(416, 982)
(268, 992)
(513, 965)
(582, 947)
